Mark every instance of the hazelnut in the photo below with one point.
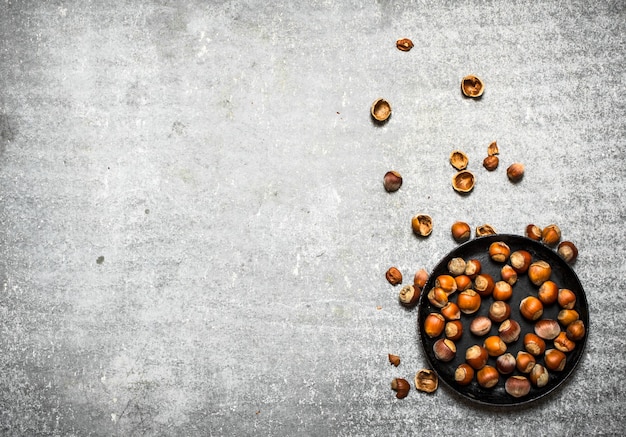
(576, 330)
(463, 282)
(394, 276)
(515, 172)
(380, 110)
(409, 295)
(472, 268)
(392, 181)
(533, 232)
(491, 162)
(563, 343)
(508, 274)
(493, 149)
(547, 329)
(420, 279)
(499, 311)
(509, 331)
(502, 291)
(446, 282)
(568, 251)
(534, 344)
(566, 317)
(505, 363)
(404, 44)
(520, 261)
(555, 360)
(480, 325)
(566, 298)
(531, 308)
(394, 359)
(434, 324)
(485, 230)
(517, 386)
(444, 349)
(463, 181)
(539, 272)
(499, 251)
(539, 376)
(484, 284)
(472, 86)
(476, 356)
(437, 297)
(456, 266)
(426, 380)
(488, 376)
(459, 160)
(525, 362)
(422, 225)
(401, 387)
(551, 235)
(461, 232)
(464, 374)
(454, 330)
(494, 346)
(468, 301)
(451, 311)
(548, 292)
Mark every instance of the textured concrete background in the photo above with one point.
(194, 232)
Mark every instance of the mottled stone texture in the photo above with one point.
(194, 231)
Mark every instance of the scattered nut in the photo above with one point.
(394, 359)
(463, 181)
(426, 380)
(491, 162)
(409, 295)
(472, 86)
(392, 181)
(422, 225)
(461, 232)
(401, 387)
(533, 232)
(404, 44)
(380, 110)
(459, 160)
(420, 279)
(551, 235)
(515, 172)
(568, 251)
(394, 276)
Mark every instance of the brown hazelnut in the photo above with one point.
(499, 251)
(488, 376)
(505, 363)
(491, 162)
(534, 344)
(539, 272)
(499, 311)
(563, 343)
(444, 349)
(520, 261)
(394, 359)
(420, 279)
(456, 266)
(548, 292)
(394, 276)
(463, 181)
(493, 149)
(426, 380)
(459, 160)
(437, 297)
(461, 232)
(531, 308)
(502, 290)
(472, 86)
(446, 282)
(566, 298)
(494, 346)
(434, 324)
(515, 172)
(409, 295)
(422, 225)
(464, 374)
(533, 232)
(404, 44)
(484, 230)
(454, 330)
(469, 301)
(555, 360)
(539, 376)
(480, 325)
(517, 386)
(451, 311)
(401, 387)
(509, 331)
(392, 181)
(380, 110)
(568, 251)
(463, 282)
(566, 317)
(472, 268)
(576, 330)
(484, 284)
(525, 362)
(551, 235)
(476, 356)
(547, 329)
(508, 274)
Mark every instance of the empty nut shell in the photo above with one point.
(484, 230)
(459, 160)
(394, 359)
(380, 110)
(463, 181)
(426, 380)
(401, 387)
(472, 86)
(422, 225)
(493, 149)
(392, 181)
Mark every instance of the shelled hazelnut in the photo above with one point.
(392, 181)
(394, 276)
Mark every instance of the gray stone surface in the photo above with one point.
(194, 232)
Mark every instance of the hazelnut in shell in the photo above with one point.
(469, 301)
(444, 349)
(555, 360)
(409, 295)
(539, 272)
(531, 308)
(517, 386)
(476, 356)
(434, 324)
(461, 232)
(568, 251)
(480, 325)
(392, 181)
(551, 235)
(505, 363)
(488, 376)
(464, 374)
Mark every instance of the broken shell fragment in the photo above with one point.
(422, 225)
(426, 380)
(404, 44)
(472, 86)
(381, 110)
(485, 229)
(492, 149)
(463, 181)
(459, 160)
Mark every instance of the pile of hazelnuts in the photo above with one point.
(544, 349)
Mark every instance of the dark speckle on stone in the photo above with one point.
(100, 259)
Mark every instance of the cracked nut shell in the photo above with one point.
(463, 181)
(472, 86)
(380, 110)
(426, 380)
(422, 225)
